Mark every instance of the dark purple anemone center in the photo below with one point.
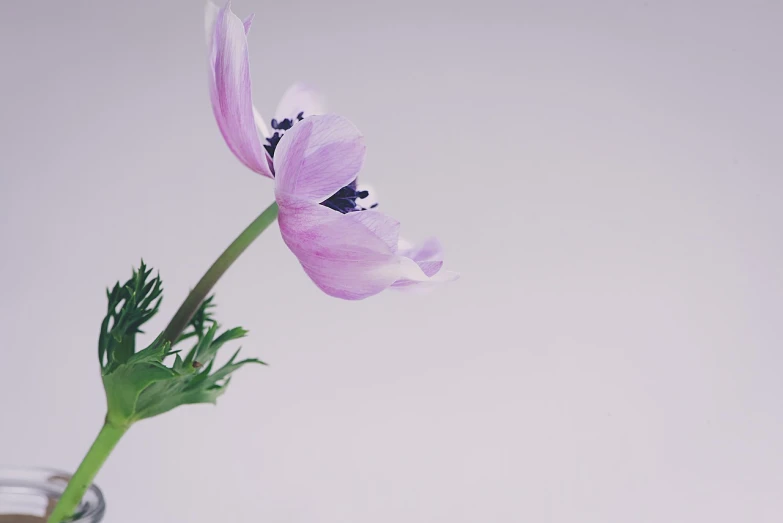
(344, 200)
(284, 125)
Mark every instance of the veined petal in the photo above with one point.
(260, 123)
(211, 15)
(428, 250)
(247, 22)
(342, 256)
(317, 227)
(211, 12)
(317, 157)
(353, 256)
(384, 227)
(299, 98)
(428, 257)
(230, 89)
(412, 279)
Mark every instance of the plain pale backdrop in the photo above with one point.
(607, 177)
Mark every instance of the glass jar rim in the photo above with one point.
(50, 483)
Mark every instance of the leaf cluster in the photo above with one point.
(145, 383)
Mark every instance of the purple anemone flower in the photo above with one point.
(348, 250)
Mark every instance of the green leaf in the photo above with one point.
(139, 384)
(201, 387)
(129, 307)
(202, 346)
(157, 351)
(206, 352)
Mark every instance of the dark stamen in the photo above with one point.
(273, 141)
(281, 126)
(344, 200)
(284, 125)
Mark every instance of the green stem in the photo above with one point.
(221, 265)
(105, 442)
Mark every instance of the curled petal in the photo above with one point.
(230, 88)
(429, 250)
(299, 99)
(350, 256)
(247, 22)
(384, 227)
(342, 256)
(211, 12)
(428, 257)
(317, 157)
(411, 279)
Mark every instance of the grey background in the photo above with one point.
(605, 175)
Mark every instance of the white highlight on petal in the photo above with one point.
(300, 98)
(410, 271)
(404, 245)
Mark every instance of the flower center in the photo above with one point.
(279, 128)
(344, 200)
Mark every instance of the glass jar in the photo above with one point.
(28, 495)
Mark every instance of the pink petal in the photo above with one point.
(342, 256)
(211, 12)
(211, 15)
(317, 157)
(353, 256)
(413, 280)
(430, 268)
(247, 22)
(299, 98)
(230, 89)
(430, 249)
(382, 226)
(428, 256)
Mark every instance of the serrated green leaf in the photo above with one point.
(229, 368)
(155, 353)
(198, 355)
(163, 396)
(178, 365)
(140, 385)
(129, 307)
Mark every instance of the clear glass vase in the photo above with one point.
(29, 495)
